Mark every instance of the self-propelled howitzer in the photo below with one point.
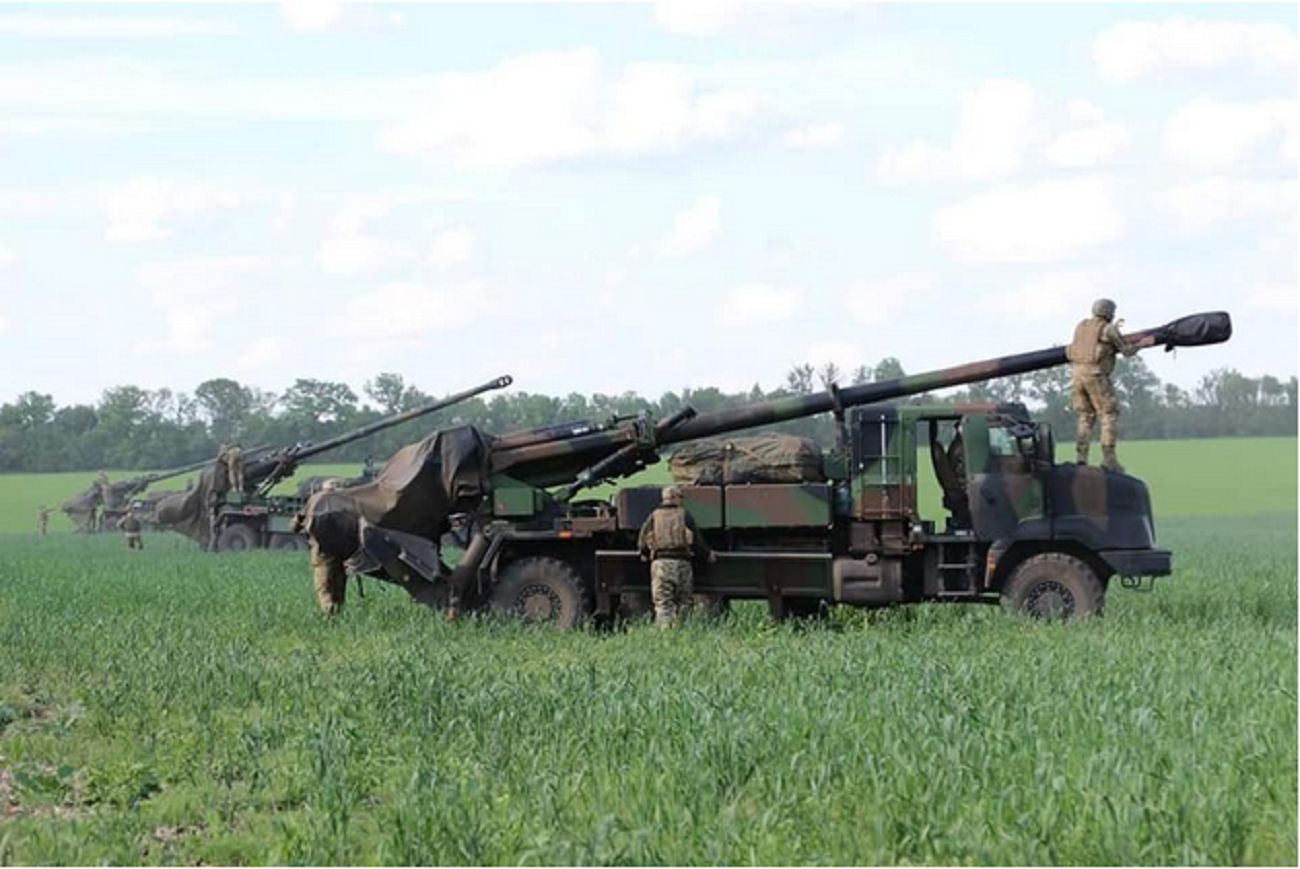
(530, 547)
(218, 517)
(97, 509)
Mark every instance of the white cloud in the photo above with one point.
(145, 208)
(1084, 112)
(311, 15)
(549, 106)
(694, 227)
(1040, 222)
(8, 257)
(1051, 297)
(261, 354)
(990, 141)
(197, 295)
(409, 310)
(694, 17)
(109, 27)
(1089, 146)
(1279, 297)
(355, 253)
(1207, 132)
(760, 303)
(814, 137)
(1132, 50)
(879, 302)
(1203, 205)
(452, 247)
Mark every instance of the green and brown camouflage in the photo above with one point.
(855, 537)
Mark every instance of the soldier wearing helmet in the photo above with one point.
(669, 540)
(1097, 341)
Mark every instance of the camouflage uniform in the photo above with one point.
(669, 539)
(131, 528)
(1097, 340)
(43, 520)
(235, 467)
(329, 575)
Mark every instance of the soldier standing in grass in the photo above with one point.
(1097, 341)
(669, 540)
(43, 520)
(130, 526)
(329, 574)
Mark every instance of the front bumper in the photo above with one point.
(1139, 562)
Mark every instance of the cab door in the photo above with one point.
(1006, 492)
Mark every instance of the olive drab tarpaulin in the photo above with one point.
(190, 512)
(416, 491)
(81, 508)
(770, 458)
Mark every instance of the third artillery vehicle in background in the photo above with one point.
(1044, 537)
(96, 510)
(226, 520)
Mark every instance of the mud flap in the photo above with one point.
(395, 553)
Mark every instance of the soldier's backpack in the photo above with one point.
(767, 458)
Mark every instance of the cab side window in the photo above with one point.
(1001, 443)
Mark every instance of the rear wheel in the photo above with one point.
(1053, 585)
(236, 538)
(287, 542)
(542, 590)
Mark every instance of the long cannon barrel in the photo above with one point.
(551, 463)
(280, 465)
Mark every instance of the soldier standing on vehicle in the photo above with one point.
(1097, 340)
(130, 526)
(43, 520)
(669, 540)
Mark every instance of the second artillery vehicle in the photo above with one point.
(221, 518)
(1045, 538)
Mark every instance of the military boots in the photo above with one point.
(1109, 462)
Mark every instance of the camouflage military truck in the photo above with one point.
(222, 519)
(845, 527)
(98, 510)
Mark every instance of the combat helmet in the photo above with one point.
(671, 495)
(1104, 308)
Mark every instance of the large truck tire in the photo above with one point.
(1054, 585)
(542, 590)
(288, 542)
(236, 538)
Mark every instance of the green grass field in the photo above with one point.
(1225, 476)
(175, 707)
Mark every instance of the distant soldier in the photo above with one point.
(43, 520)
(1097, 340)
(231, 458)
(105, 489)
(130, 526)
(669, 540)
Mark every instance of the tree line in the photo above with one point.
(131, 427)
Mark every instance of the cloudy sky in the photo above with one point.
(640, 196)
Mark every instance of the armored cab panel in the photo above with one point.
(883, 464)
(778, 505)
(703, 503)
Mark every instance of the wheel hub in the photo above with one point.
(1050, 600)
(539, 603)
